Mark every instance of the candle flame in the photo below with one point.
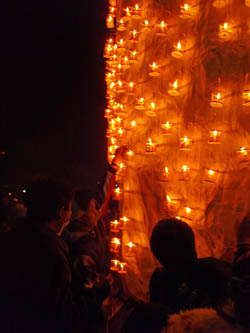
(146, 22)
(133, 123)
(166, 170)
(136, 7)
(168, 198)
(152, 105)
(116, 241)
(218, 96)
(179, 45)
(186, 7)
(188, 210)
(141, 100)
(168, 125)
(131, 245)
(175, 85)
(163, 25)
(185, 168)
(121, 21)
(215, 133)
(225, 25)
(130, 153)
(211, 172)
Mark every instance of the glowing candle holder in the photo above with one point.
(150, 146)
(114, 226)
(220, 3)
(133, 56)
(247, 3)
(140, 104)
(186, 143)
(243, 155)
(115, 245)
(120, 87)
(173, 89)
(121, 45)
(130, 154)
(134, 35)
(110, 22)
(170, 204)
(124, 223)
(151, 112)
(121, 169)
(178, 51)
(121, 111)
(214, 137)
(184, 173)
(166, 128)
(155, 70)
(122, 268)
(128, 12)
(131, 88)
(225, 30)
(161, 29)
(125, 62)
(210, 176)
(136, 13)
(114, 265)
(146, 27)
(166, 175)
(246, 98)
(117, 194)
(132, 125)
(187, 11)
(121, 25)
(130, 250)
(217, 99)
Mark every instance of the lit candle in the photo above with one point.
(121, 26)
(124, 222)
(125, 62)
(178, 51)
(243, 155)
(114, 265)
(217, 99)
(117, 194)
(161, 29)
(121, 44)
(145, 26)
(210, 176)
(110, 22)
(151, 112)
(155, 70)
(114, 226)
(112, 11)
(166, 128)
(140, 104)
(174, 89)
(122, 268)
(246, 97)
(133, 56)
(150, 146)
(225, 30)
(184, 174)
(115, 244)
(130, 249)
(186, 11)
(131, 88)
(185, 143)
(132, 124)
(128, 12)
(120, 87)
(121, 169)
(171, 204)
(133, 34)
(108, 113)
(136, 12)
(214, 137)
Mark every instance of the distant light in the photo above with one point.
(2, 153)
(24, 191)
(9, 194)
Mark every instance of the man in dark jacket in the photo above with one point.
(35, 279)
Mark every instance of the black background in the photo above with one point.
(52, 90)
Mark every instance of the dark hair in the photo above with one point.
(83, 197)
(45, 198)
(172, 241)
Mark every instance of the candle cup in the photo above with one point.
(125, 63)
(121, 26)
(186, 143)
(114, 265)
(161, 29)
(150, 146)
(124, 223)
(187, 12)
(122, 268)
(225, 31)
(155, 70)
(151, 111)
(115, 245)
(120, 87)
(129, 250)
(114, 226)
(170, 204)
(220, 3)
(166, 128)
(178, 51)
(140, 104)
(246, 98)
(214, 137)
(117, 194)
(243, 155)
(217, 99)
(110, 22)
(136, 13)
(167, 175)
(184, 173)
(173, 89)
(131, 88)
(133, 36)
(133, 56)
(210, 176)
(146, 27)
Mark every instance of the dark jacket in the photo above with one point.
(203, 283)
(35, 284)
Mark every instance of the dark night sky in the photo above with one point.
(52, 90)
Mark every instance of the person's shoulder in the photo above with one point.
(203, 320)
